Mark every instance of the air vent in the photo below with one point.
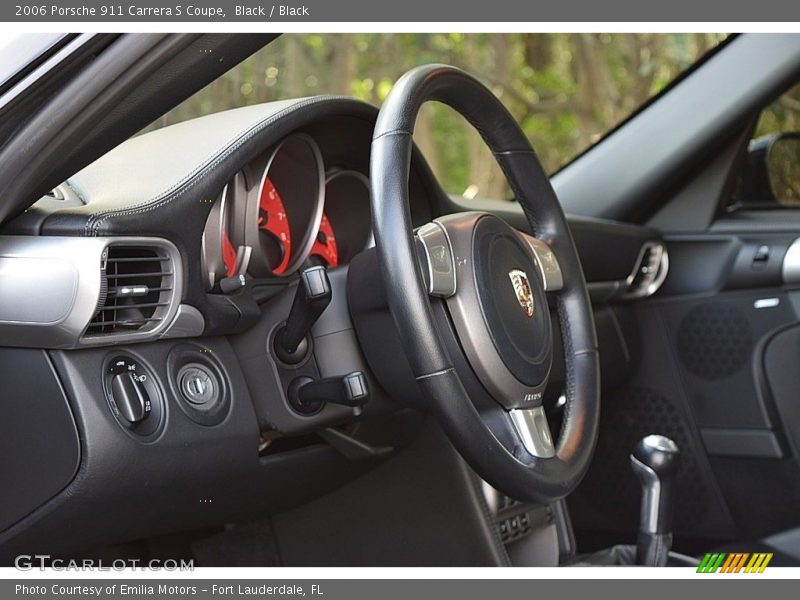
(136, 290)
(650, 272)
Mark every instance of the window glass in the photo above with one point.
(566, 90)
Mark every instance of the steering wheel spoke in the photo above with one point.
(533, 431)
(546, 262)
(439, 266)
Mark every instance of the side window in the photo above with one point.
(771, 177)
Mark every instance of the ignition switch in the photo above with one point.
(199, 385)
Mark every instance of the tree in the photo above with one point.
(565, 90)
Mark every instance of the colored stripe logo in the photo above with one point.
(734, 562)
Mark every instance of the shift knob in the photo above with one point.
(655, 461)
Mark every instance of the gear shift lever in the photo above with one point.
(655, 461)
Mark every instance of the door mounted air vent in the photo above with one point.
(137, 290)
(650, 271)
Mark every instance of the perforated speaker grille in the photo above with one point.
(610, 491)
(714, 341)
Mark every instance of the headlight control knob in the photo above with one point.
(128, 393)
(130, 398)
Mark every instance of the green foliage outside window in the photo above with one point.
(566, 90)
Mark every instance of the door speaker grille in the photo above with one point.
(714, 341)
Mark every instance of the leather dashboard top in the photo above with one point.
(182, 163)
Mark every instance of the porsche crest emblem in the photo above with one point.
(522, 288)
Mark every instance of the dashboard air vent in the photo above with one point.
(650, 271)
(136, 290)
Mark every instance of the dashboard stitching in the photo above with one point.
(95, 221)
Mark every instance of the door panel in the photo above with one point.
(720, 374)
(653, 401)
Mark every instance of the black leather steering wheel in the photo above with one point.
(494, 283)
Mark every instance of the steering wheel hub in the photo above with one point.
(498, 306)
(512, 300)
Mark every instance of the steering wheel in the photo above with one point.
(469, 294)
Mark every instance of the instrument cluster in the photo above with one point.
(285, 211)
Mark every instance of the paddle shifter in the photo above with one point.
(655, 462)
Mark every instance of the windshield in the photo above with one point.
(19, 50)
(566, 90)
